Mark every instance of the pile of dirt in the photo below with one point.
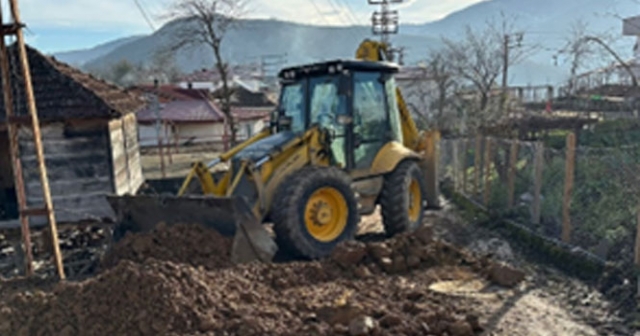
(190, 244)
(417, 250)
(375, 288)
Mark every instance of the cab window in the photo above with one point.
(326, 105)
(293, 104)
(371, 125)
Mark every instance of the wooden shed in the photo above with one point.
(89, 133)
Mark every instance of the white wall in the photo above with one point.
(204, 132)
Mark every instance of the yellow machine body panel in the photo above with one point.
(389, 156)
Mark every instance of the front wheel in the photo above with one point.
(403, 198)
(315, 210)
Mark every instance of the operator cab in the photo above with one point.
(354, 100)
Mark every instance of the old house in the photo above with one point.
(89, 132)
(194, 116)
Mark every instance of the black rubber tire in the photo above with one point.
(394, 198)
(289, 206)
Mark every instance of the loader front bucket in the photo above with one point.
(230, 216)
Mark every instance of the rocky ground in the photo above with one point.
(167, 283)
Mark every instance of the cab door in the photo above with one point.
(371, 129)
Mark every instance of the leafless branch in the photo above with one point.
(206, 22)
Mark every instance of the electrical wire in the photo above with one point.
(144, 15)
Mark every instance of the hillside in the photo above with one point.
(254, 38)
(546, 23)
(81, 57)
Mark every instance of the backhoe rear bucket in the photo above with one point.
(230, 216)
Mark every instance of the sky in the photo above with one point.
(59, 25)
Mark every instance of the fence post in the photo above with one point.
(637, 249)
(487, 172)
(537, 182)
(456, 167)
(511, 178)
(476, 166)
(568, 187)
(431, 169)
(464, 166)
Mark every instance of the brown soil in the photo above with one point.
(375, 288)
(188, 244)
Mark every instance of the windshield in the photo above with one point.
(292, 104)
(326, 104)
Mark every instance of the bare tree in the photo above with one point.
(163, 66)
(476, 60)
(583, 47)
(441, 73)
(206, 22)
(481, 56)
(578, 52)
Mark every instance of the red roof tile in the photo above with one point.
(183, 111)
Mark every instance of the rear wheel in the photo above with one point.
(314, 210)
(403, 198)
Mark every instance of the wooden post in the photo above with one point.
(568, 187)
(464, 166)
(456, 167)
(12, 131)
(167, 142)
(31, 104)
(537, 182)
(513, 169)
(637, 249)
(431, 160)
(487, 173)
(476, 166)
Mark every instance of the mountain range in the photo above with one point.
(546, 23)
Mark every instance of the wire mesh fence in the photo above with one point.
(586, 197)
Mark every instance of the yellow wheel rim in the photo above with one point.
(415, 200)
(326, 214)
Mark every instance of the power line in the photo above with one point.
(315, 5)
(144, 15)
(350, 11)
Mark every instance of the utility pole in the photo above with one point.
(507, 45)
(156, 109)
(385, 22)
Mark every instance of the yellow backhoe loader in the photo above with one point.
(340, 143)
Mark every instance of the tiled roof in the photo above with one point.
(251, 113)
(183, 111)
(63, 92)
(170, 92)
(242, 97)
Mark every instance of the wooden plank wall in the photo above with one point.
(77, 159)
(125, 154)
